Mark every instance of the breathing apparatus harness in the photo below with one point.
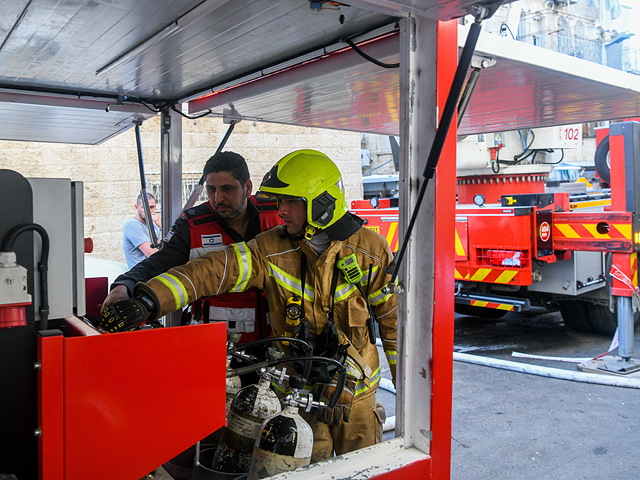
(327, 343)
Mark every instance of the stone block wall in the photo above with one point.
(110, 170)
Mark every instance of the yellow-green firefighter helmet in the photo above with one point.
(312, 176)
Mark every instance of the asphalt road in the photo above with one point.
(508, 425)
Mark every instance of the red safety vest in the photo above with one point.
(245, 312)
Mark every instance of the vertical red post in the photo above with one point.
(442, 380)
(51, 407)
(619, 203)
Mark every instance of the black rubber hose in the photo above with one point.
(277, 361)
(375, 61)
(307, 348)
(7, 246)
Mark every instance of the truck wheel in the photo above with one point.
(602, 160)
(481, 312)
(575, 316)
(604, 321)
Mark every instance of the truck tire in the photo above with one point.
(575, 316)
(602, 161)
(481, 312)
(604, 321)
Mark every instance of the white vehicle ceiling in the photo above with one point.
(80, 71)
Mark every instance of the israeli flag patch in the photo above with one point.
(169, 236)
(211, 240)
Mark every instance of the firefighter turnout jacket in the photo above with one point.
(199, 231)
(272, 262)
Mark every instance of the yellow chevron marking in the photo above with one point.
(459, 247)
(624, 229)
(634, 269)
(506, 276)
(504, 306)
(392, 230)
(478, 303)
(566, 230)
(481, 274)
(459, 276)
(591, 228)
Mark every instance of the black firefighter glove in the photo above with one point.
(126, 315)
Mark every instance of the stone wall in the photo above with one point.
(110, 170)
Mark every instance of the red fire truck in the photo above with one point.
(517, 244)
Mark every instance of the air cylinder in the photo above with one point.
(249, 408)
(285, 443)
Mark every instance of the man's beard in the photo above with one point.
(233, 214)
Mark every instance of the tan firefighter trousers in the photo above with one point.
(363, 430)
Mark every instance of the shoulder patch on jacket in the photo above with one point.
(197, 211)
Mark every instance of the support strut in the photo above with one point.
(196, 191)
(143, 189)
(480, 13)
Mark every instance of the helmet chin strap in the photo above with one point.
(309, 231)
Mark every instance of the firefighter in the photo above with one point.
(318, 236)
(231, 215)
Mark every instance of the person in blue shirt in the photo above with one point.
(136, 242)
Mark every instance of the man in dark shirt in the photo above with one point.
(231, 215)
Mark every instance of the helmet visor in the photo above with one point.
(278, 196)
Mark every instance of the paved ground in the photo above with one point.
(509, 425)
(514, 426)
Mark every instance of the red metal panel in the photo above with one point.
(514, 232)
(381, 220)
(625, 269)
(134, 400)
(618, 181)
(600, 134)
(50, 407)
(444, 255)
(417, 470)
